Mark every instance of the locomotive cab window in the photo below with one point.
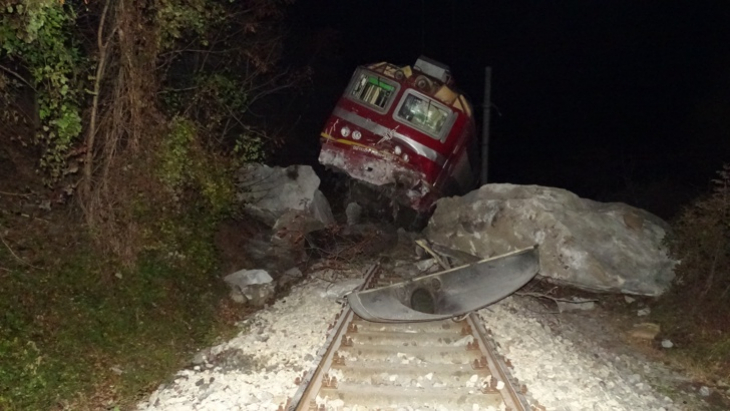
(372, 90)
(425, 114)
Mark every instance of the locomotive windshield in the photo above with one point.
(372, 90)
(404, 132)
(424, 113)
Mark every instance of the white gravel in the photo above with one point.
(256, 370)
(559, 374)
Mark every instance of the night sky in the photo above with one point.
(614, 100)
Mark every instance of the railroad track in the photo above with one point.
(441, 365)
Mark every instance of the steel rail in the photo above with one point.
(362, 352)
(311, 382)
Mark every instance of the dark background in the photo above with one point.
(614, 100)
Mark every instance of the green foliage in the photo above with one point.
(224, 61)
(19, 373)
(184, 18)
(218, 57)
(185, 165)
(62, 330)
(176, 161)
(701, 241)
(249, 147)
(226, 87)
(39, 35)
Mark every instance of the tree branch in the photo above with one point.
(12, 252)
(18, 76)
(91, 136)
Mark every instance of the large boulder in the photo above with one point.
(268, 193)
(609, 247)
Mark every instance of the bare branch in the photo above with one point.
(5, 193)
(18, 76)
(13, 252)
(100, 69)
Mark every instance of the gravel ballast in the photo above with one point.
(561, 375)
(256, 370)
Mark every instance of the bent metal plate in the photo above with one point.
(449, 293)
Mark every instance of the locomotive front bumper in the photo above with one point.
(380, 169)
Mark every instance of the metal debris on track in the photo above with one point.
(438, 365)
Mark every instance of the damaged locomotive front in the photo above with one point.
(405, 131)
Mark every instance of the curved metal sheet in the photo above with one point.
(449, 293)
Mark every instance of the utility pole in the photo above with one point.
(487, 105)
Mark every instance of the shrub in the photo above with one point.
(701, 241)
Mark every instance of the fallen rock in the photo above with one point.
(321, 210)
(269, 192)
(253, 287)
(288, 202)
(353, 213)
(645, 331)
(201, 357)
(289, 276)
(575, 304)
(609, 247)
(667, 344)
(292, 226)
(643, 312)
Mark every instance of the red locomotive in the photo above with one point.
(405, 131)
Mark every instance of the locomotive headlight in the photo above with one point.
(398, 150)
(356, 135)
(345, 131)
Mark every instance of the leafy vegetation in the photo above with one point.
(695, 313)
(702, 243)
(90, 328)
(138, 73)
(185, 166)
(38, 34)
(141, 113)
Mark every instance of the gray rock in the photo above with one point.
(595, 246)
(289, 276)
(273, 256)
(428, 266)
(645, 331)
(353, 213)
(292, 226)
(704, 391)
(254, 287)
(667, 344)
(237, 296)
(269, 192)
(201, 357)
(321, 210)
(245, 278)
(575, 304)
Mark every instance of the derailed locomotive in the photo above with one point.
(405, 131)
